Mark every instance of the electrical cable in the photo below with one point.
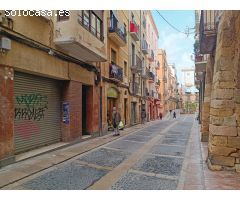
(172, 25)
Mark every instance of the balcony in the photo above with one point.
(208, 30)
(79, 39)
(115, 72)
(145, 47)
(116, 32)
(200, 63)
(151, 55)
(134, 31)
(136, 64)
(151, 77)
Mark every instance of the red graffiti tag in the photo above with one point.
(26, 129)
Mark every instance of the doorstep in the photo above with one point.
(39, 151)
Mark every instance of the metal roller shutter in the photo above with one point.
(37, 111)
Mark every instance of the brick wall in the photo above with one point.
(6, 112)
(72, 93)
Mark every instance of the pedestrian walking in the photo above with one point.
(116, 118)
(143, 115)
(160, 116)
(174, 115)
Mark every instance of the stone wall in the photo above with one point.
(224, 128)
(206, 103)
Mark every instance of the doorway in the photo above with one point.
(133, 112)
(85, 113)
(125, 111)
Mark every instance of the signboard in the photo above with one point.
(66, 118)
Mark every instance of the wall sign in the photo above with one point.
(66, 118)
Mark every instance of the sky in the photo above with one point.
(178, 46)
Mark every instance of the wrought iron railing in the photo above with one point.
(115, 72)
(114, 27)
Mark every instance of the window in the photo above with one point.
(113, 56)
(86, 18)
(63, 15)
(93, 24)
(125, 68)
(92, 21)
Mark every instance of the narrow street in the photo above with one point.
(149, 158)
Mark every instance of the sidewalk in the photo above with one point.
(28, 167)
(198, 176)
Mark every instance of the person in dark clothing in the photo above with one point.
(160, 116)
(143, 115)
(116, 118)
(174, 115)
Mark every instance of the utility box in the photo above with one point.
(5, 43)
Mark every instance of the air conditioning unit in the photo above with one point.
(5, 44)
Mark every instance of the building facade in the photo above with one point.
(153, 106)
(61, 78)
(50, 77)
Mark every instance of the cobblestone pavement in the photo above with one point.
(166, 155)
(158, 151)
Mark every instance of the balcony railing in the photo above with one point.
(208, 30)
(117, 32)
(134, 30)
(136, 64)
(144, 47)
(151, 77)
(151, 56)
(115, 72)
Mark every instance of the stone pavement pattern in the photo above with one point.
(164, 155)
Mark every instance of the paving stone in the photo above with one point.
(171, 141)
(145, 133)
(138, 138)
(105, 157)
(123, 145)
(168, 150)
(180, 137)
(69, 177)
(134, 181)
(160, 165)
